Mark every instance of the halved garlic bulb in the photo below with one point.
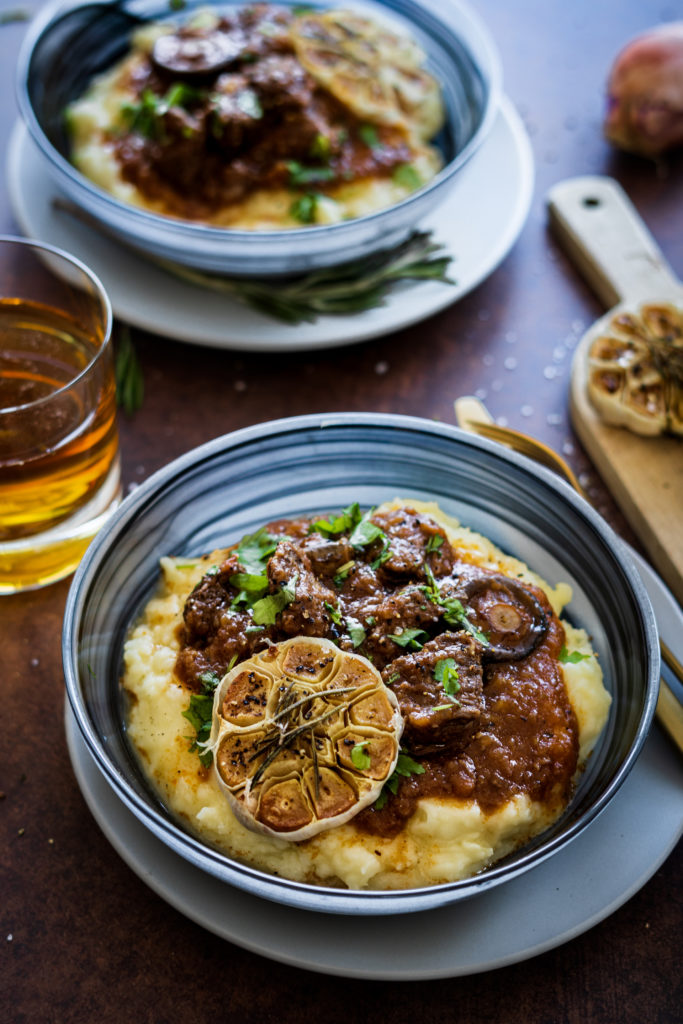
(304, 736)
(371, 70)
(635, 370)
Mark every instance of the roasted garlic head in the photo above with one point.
(371, 70)
(304, 736)
(635, 370)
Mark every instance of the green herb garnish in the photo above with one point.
(407, 176)
(454, 612)
(348, 519)
(305, 207)
(446, 673)
(367, 133)
(254, 550)
(355, 631)
(433, 544)
(130, 385)
(567, 657)
(360, 758)
(343, 572)
(300, 175)
(265, 611)
(405, 766)
(18, 14)
(412, 639)
(334, 613)
(321, 147)
(199, 714)
(336, 291)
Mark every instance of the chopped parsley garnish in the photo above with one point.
(347, 520)
(366, 532)
(405, 766)
(355, 631)
(342, 572)
(304, 208)
(265, 611)
(454, 612)
(144, 117)
(433, 544)
(446, 673)
(367, 133)
(300, 175)
(567, 657)
(199, 714)
(412, 639)
(360, 757)
(321, 147)
(393, 677)
(255, 549)
(334, 613)
(407, 176)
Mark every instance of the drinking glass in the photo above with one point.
(59, 460)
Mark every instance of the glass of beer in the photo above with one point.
(59, 461)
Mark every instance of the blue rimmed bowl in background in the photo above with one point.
(71, 42)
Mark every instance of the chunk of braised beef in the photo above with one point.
(234, 113)
(393, 613)
(510, 613)
(437, 720)
(311, 611)
(204, 608)
(413, 540)
(281, 82)
(179, 151)
(326, 555)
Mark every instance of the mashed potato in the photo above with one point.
(444, 840)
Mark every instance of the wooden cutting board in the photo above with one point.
(605, 237)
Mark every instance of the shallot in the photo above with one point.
(645, 93)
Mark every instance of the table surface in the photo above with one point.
(84, 939)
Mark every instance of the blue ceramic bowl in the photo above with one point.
(213, 495)
(70, 42)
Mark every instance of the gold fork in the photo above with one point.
(471, 414)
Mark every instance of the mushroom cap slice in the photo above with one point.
(304, 736)
(635, 370)
(372, 70)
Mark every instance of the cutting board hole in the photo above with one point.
(591, 201)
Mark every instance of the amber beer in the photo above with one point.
(59, 470)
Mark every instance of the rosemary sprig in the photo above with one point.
(130, 385)
(18, 14)
(667, 355)
(349, 288)
(352, 287)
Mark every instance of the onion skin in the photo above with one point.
(645, 93)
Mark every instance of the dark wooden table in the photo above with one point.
(83, 939)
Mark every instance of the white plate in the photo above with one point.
(477, 225)
(556, 901)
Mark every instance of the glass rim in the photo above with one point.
(108, 319)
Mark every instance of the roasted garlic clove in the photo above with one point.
(304, 736)
(635, 370)
(374, 72)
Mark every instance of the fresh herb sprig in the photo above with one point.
(337, 291)
(199, 714)
(405, 766)
(130, 384)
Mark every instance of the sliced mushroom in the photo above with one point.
(507, 613)
(304, 736)
(191, 54)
